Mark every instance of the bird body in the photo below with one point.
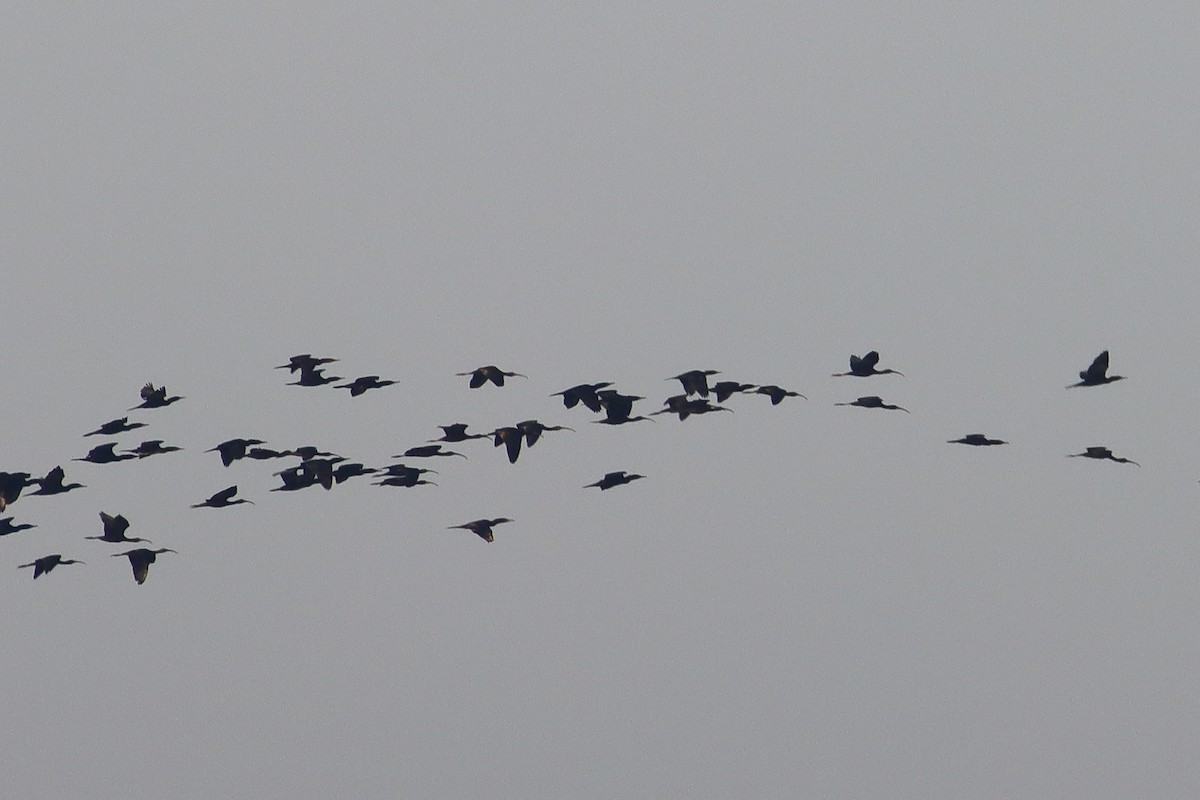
(977, 440)
(155, 397)
(223, 499)
(105, 454)
(53, 483)
(114, 530)
(153, 447)
(872, 401)
(360, 385)
(11, 484)
(427, 451)
(490, 372)
(304, 361)
(864, 367)
(1097, 373)
(482, 527)
(314, 376)
(583, 393)
(611, 479)
(7, 526)
(695, 381)
(725, 389)
(141, 559)
(457, 432)
(1102, 453)
(232, 450)
(510, 437)
(776, 393)
(115, 426)
(46, 563)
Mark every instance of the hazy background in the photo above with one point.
(800, 600)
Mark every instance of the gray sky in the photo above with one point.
(801, 600)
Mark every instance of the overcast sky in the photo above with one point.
(797, 601)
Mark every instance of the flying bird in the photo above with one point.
(776, 393)
(233, 450)
(304, 361)
(872, 402)
(153, 447)
(223, 499)
(7, 526)
(1097, 373)
(487, 373)
(344, 472)
(510, 437)
(155, 398)
(583, 393)
(427, 451)
(611, 479)
(694, 381)
(976, 439)
(104, 454)
(11, 484)
(864, 367)
(482, 527)
(725, 389)
(457, 433)
(115, 426)
(46, 563)
(617, 407)
(533, 430)
(53, 483)
(314, 376)
(141, 559)
(114, 530)
(680, 404)
(1102, 453)
(360, 385)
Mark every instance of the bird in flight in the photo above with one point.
(314, 376)
(976, 439)
(114, 530)
(155, 398)
(360, 385)
(694, 381)
(864, 367)
(725, 389)
(1097, 373)
(53, 483)
(482, 527)
(11, 484)
(233, 450)
(304, 361)
(871, 401)
(487, 373)
(7, 526)
(611, 479)
(103, 454)
(583, 393)
(776, 393)
(457, 433)
(427, 451)
(223, 499)
(115, 426)
(153, 447)
(141, 559)
(1102, 453)
(46, 563)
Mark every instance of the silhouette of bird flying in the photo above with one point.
(7, 526)
(611, 479)
(155, 398)
(153, 447)
(360, 385)
(1102, 453)
(1097, 373)
(482, 527)
(726, 389)
(872, 401)
(141, 559)
(232, 450)
(11, 484)
(510, 437)
(103, 454)
(457, 433)
(115, 426)
(427, 451)
(223, 499)
(533, 430)
(53, 483)
(976, 439)
(583, 393)
(487, 373)
(304, 361)
(114, 530)
(776, 393)
(46, 563)
(864, 367)
(314, 376)
(695, 381)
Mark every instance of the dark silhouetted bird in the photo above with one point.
(404, 481)
(976, 439)
(53, 483)
(344, 472)
(7, 526)
(1102, 453)
(510, 437)
(457, 433)
(223, 499)
(533, 430)
(304, 361)
(233, 450)
(11, 484)
(427, 451)
(482, 527)
(726, 389)
(776, 393)
(264, 453)
(1097, 373)
(865, 367)
(680, 404)
(583, 393)
(404, 475)
(314, 377)
(695, 381)
(114, 530)
(487, 373)
(360, 385)
(103, 454)
(46, 563)
(872, 402)
(153, 447)
(611, 479)
(307, 452)
(155, 398)
(141, 559)
(115, 426)
(617, 407)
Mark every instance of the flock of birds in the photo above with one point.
(316, 467)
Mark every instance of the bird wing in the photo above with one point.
(1098, 368)
(870, 359)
